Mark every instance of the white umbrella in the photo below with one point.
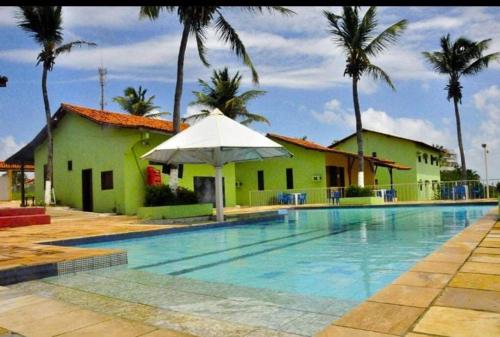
(216, 140)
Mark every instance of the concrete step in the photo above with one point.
(24, 220)
(21, 211)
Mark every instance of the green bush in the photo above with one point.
(164, 196)
(356, 191)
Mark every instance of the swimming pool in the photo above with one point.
(342, 253)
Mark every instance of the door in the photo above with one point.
(87, 197)
(204, 187)
(335, 176)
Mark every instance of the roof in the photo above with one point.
(385, 134)
(101, 117)
(117, 119)
(317, 147)
(7, 167)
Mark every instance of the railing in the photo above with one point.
(427, 190)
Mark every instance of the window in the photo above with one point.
(419, 159)
(107, 180)
(289, 178)
(374, 154)
(70, 165)
(260, 180)
(425, 157)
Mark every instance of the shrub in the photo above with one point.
(356, 191)
(163, 196)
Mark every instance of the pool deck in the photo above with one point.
(455, 291)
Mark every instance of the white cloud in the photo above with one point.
(7, 16)
(8, 146)
(437, 22)
(113, 17)
(487, 102)
(412, 128)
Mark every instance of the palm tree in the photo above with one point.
(223, 95)
(355, 35)
(44, 23)
(462, 57)
(196, 21)
(135, 103)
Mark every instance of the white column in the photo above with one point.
(361, 179)
(48, 190)
(219, 200)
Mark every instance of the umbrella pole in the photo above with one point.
(219, 201)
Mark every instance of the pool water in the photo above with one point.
(341, 253)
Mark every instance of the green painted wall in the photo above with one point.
(104, 148)
(305, 164)
(403, 152)
(174, 212)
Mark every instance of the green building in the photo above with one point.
(420, 183)
(97, 165)
(314, 169)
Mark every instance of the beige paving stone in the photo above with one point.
(481, 268)
(340, 331)
(380, 317)
(459, 322)
(167, 333)
(406, 295)
(59, 324)
(414, 334)
(422, 279)
(476, 281)
(470, 299)
(18, 302)
(18, 316)
(112, 328)
(447, 257)
(436, 267)
(487, 250)
(488, 258)
(3, 331)
(492, 244)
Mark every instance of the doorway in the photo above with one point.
(335, 175)
(87, 197)
(204, 187)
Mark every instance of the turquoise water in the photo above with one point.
(346, 254)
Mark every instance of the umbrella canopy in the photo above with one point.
(216, 140)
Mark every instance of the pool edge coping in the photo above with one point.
(334, 329)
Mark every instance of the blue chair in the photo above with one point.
(477, 193)
(445, 193)
(282, 199)
(336, 197)
(390, 195)
(302, 198)
(459, 192)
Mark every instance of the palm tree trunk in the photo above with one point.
(174, 173)
(50, 145)
(460, 144)
(359, 132)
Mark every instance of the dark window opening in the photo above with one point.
(374, 154)
(70, 165)
(180, 171)
(260, 180)
(107, 180)
(419, 159)
(289, 178)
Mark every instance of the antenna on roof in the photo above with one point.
(102, 78)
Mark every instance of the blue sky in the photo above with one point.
(299, 67)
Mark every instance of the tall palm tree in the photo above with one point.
(223, 95)
(135, 103)
(355, 35)
(44, 23)
(195, 21)
(461, 57)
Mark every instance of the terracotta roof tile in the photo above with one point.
(120, 119)
(317, 147)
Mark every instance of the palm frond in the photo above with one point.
(67, 47)
(228, 35)
(366, 27)
(388, 36)
(251, 94)
(378, 74)
(202, 114)
(271, 9)
(437, 61)
(44, 23)
(153, 12)
(200, 43)
(481, 63)
(250, 118)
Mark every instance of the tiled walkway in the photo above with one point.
(453, 292)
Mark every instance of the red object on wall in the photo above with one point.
(154, 176)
